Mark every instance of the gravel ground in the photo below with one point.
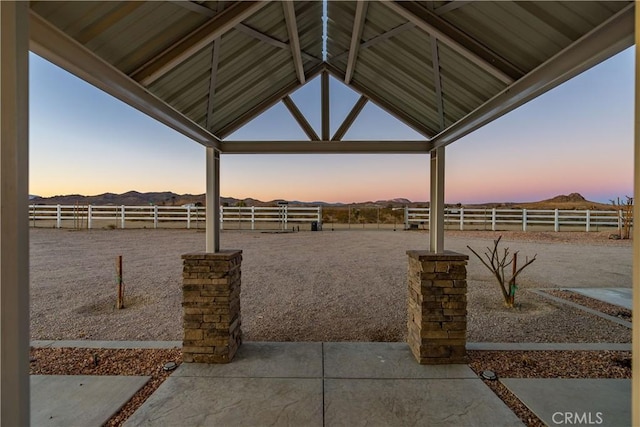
(311, 286)
(329, 286)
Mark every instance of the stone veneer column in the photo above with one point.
(211, 303)
(437, 318)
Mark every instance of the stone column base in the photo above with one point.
(437, 318)
(211, 306)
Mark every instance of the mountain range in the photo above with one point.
(167, 198)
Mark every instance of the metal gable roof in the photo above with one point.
(444, 68)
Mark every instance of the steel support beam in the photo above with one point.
(356, 36)
(436, 204)
(14, 226)
(212, 219)
(457, 40)
(351, 117)
(215, 28)
(299, 117)
(294, 41)
(635, 331)
(606, 40)
(326, 147)
(325, 106)
(55, 46)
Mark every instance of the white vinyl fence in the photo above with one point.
(289, 217)
(517, 219)
(78, 216)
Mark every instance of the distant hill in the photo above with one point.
(572, 201)
(167, 198)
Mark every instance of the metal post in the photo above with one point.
(326, 136)
(320, 217)
(461, 219)
(221, 217)
(14, 217)
(213, 201)
(524, 220)
(253, 217)
(556, 220)
(89, 218)
(436, 214)
(58, 216)
(188, 217)
(635, 331)
(122, 216)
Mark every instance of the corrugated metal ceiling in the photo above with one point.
(428, 63)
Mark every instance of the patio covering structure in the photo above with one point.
(206, 68)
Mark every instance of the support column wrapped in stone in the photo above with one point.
(437, 317)
(211, 306)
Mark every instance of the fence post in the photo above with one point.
(221, 217)
(556, 220)
(320, 217)
(253, 217)
(286, 216)
(588, 219)
(122, 216)
(155, 216)
(89, 222)
(524, 220)
(59, 217)
(188, 217)
(406, 217)
(493, 219)
(461, 219)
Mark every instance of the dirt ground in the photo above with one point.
(312, 286)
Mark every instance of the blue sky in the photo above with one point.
(576, 138)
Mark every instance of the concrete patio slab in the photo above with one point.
(208, 401)
(618, 296)
(79, 400)
(264, 360)
(423, 402)
(603, 402)
(383, 360)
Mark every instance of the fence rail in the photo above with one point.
(88, 216)
(524, 219)
(286, 217)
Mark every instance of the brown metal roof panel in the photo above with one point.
(339, 26)
(398, 89)
(464, 86)
(309, 17)
(379, 20)
(256, 92)
(523, 33)
(270, 20)
(125, 34)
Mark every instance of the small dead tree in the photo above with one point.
(497, 264)
(625, 212)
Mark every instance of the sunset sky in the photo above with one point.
(576, 138)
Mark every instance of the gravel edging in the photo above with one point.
(601, 306)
